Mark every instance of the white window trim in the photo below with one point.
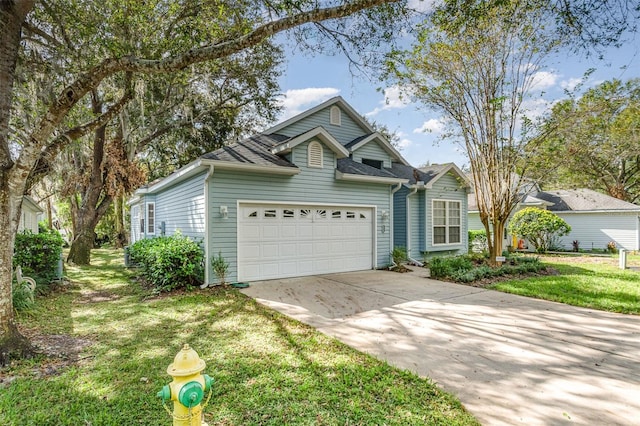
(148, 230)
(320, 147)
(447, 225)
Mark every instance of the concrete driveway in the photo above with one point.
(510, 359)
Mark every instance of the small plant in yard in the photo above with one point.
(399, 255)
(220, 267)
(611, 247)
(576, 245)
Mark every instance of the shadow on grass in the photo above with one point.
(268, 369)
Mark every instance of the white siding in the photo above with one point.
(595, 230)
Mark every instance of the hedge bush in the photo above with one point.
(38, 255)
(470, 268)
(168, 263)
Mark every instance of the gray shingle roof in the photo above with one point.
(347, 165)
(583, 200)
(424, 174)
(356, 140)
(253, 150)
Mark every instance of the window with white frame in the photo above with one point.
(314, 155)
(151, 218)
(447, 222)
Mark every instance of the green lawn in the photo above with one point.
(268, 369)
(589, 282)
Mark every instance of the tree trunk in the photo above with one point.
(121, 234)
(12, 179)
(95, 202)
(496, 245)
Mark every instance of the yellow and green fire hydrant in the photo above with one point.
(187, 388)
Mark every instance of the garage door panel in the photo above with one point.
(276, 241)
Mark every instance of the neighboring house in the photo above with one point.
(31, 214)
(595, 218)
(311, 195)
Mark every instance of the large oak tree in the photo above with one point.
(26, 152)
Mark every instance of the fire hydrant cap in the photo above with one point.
(186, 363)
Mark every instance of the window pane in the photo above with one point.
(454, 234)
(269, 213)
(439, 235)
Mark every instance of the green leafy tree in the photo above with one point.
(540, 227)
(476, 62)
(594, 142)
(35, 129)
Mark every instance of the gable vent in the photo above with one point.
(335, 116)
(314, 154)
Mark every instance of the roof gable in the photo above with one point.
(318, 133)
(356, 119)
(378, 138)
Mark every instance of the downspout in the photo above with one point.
(414, 189)
(391, 222)
(207, 261)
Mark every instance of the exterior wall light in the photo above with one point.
(224, 212)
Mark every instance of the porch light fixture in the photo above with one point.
(224, 212)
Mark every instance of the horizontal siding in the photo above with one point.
(345, 133)
(309, 186)
(373, 151)
(181, 208)
(400, 217)
(474, 223)
(595, 230)
(446, 188)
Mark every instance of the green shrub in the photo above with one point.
(541, 227)
(22, 296)
(38, 255)
(478, 241)
(220, 267)
(399, 255)
(447, 266)
(470, 268)
(168, 263)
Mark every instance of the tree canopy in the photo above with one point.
(594, 142)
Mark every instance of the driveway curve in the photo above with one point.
(509, 359)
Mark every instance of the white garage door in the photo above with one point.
(278, 241)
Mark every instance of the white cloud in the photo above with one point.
(394, 98)
(404, 143)
(571, 83)
(298, 100)
(432, 125)
(542, 80)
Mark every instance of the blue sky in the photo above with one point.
(309, 80)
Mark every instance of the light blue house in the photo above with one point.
(319, 193)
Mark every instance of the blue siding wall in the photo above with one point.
(446, 188)
(373, 151)
(400, 217)
(311, 185)
(345, 133)
(181, 207)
